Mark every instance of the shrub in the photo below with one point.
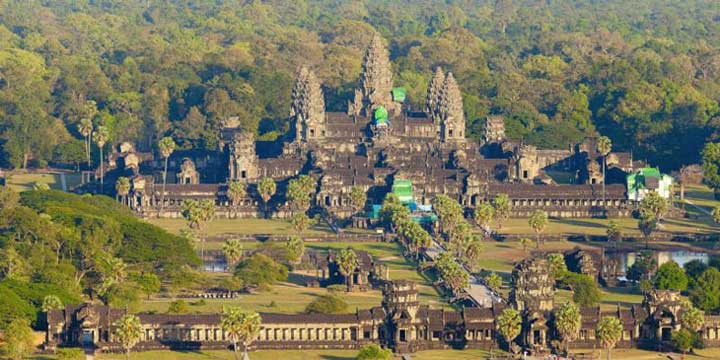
(327, 304)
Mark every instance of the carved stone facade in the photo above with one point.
(345, 149)
(243, 163)
(375, 83)
(400, 323)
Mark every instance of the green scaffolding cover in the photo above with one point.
(403, 190)
(380, 115)
(399, 94)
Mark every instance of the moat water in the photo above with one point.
(627, 259)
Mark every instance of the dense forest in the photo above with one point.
(645, 73)
(61, 245)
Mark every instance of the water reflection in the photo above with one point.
(627, 259)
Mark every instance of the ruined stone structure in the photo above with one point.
(400, 323)
(377, 140)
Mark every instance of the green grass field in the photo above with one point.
(241, 227)
(22, 182)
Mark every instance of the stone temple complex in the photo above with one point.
(378, 140)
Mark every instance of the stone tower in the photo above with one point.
(400, 296)
(432, 98)
(375, 83)
(452, 126)
(307, 110)
(532, 286)
(243, 162)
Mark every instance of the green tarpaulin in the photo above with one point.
(403, 190)
(380, 115)
(398, 94)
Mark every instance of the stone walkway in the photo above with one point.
(478, 292)
(63, 182)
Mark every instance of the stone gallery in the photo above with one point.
(400, 323)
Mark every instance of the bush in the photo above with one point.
(374, 352)
(327, 304)
(586, 292)
(178, 307)
(70, 354)
(261, 271)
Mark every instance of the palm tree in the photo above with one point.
(85, 127)
(122, 188)
(241, 327)
(358, 197)
(347, 262)
(101, 138)
(233, 251)
(604, 146)
(567, 323)
(538, 221)
(266, 188)
(503, 207)
(508, 325)
(197, 214)
(128, 331)
(167, 147)
(236, 191)
(609, 329)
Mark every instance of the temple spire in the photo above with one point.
(432, 98)
(451, 110)
(307, 107)
(375, 82)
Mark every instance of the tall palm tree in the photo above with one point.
(128, 331)
(241, 327)
(122, 188)
(102, 135)
(266, 188)
(85, 127)
(604, 146)
(167, 147)
(609, 329)
(233, 251)
(347, 262)
(236, 191)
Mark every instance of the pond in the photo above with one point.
(215, 265)
(627, 259)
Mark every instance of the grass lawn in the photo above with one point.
(240, 227)
(585, 226)
(292, 296)
(288, 298)
(23, 182)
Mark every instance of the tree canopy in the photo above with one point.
(645, 76)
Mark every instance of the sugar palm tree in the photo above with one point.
(236, 191)
(85, 127)
(128, 331)
(347, 262)
(567, 323)
(241, 327)
(609, 329)
(604, 146)
(233, 251)
(122, 188)
(102, 136)
(266, 188)
(509, 325)
(167, 147)
(538, 221)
